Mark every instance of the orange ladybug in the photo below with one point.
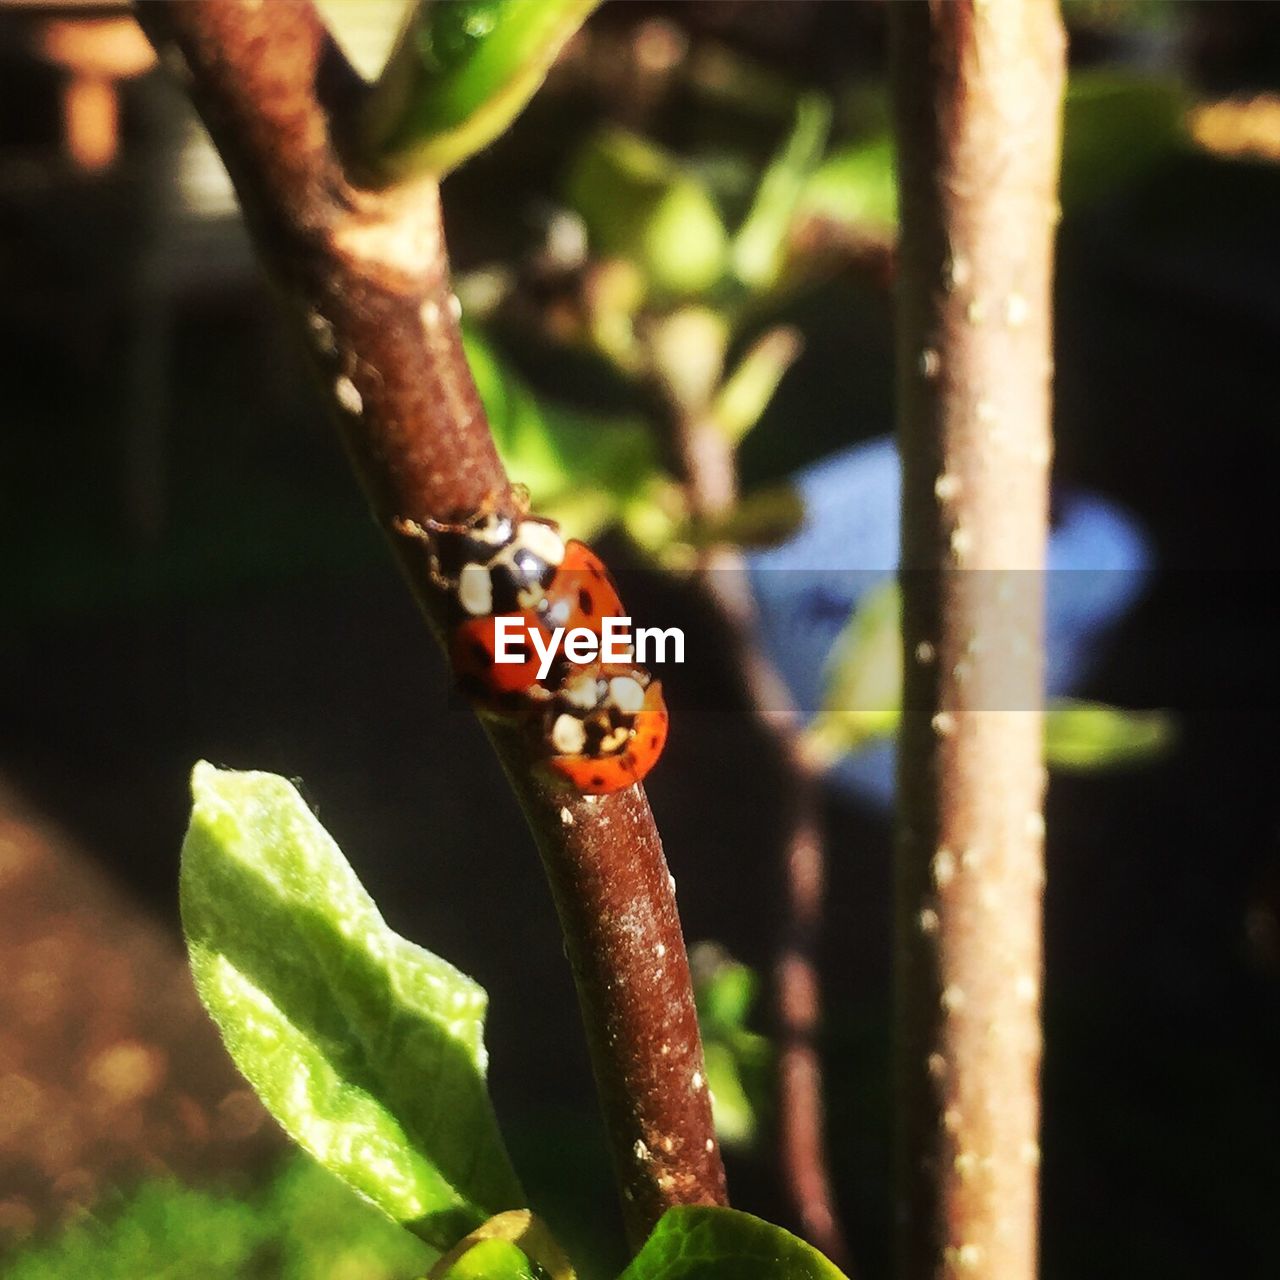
(605, 727)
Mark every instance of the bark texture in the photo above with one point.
(977, 88)
(366, 271)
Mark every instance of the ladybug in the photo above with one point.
(605, 727)
(494, 567)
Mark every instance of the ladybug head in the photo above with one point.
(498, 565)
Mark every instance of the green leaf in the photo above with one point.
(703, 1243)
(855, 186)
(461, 72)
(863, 696)
(581, 470)
(1117, 127)
(738, 1060)
(366, 1048)
(1090, 735)
(510, 1246)
(745, 394)
(758, 246)
(641, 205)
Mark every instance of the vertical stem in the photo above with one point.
(367, 274)
(977, 90)
(713, 487)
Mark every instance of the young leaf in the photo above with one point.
(510, 1246)
(460, 73)
(1090, 735)
(698, 1242)
(367, 1049)
(757, 248)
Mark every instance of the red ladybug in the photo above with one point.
(605, 727)
(496, 567)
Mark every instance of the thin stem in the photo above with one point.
(977, 99)
(366, 272)
(709, 466)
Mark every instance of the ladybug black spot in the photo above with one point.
(653, 741)
(585, 603)
(597, 780)
(480, 654)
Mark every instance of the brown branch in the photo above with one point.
(977, 98)
(367, 273)
(711, 473)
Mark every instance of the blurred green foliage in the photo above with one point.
(739, 1061)
(305, 1225)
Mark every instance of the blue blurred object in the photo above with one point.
(807, 588)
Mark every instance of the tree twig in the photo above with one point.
(977, 98)
(707, 457)
(367, 273)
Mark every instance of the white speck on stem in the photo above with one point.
(1035, 824)
(696, 1081)
(958, 271)
(930, 363)
(936, 1065)
(928, 921)
(1016, 311)
(924, 653)
(943, 868)
(1026, 988)
(348, 397)
(566, 817)
(961, 543)
(660, 950)
(455, 306)
(711, 1144)
(952, 1000)
(640, 1150)
(976, 311)
(944, 724)
(951, 1119)
(429, 313)
(946, 487)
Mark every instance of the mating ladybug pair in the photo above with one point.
(601, 726)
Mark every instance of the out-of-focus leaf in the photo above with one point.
(863, 695)
(738, 1060)
(1090, 735)
(698, 1242)
(459, 75)
(1117, 127)
(731, 1109)
(366, 1048)
(687, 350)
(745, 394)
(581, 470)
(758, 245)
(305, 1225)
(511, 1246)
(639, 204)
(855, 186)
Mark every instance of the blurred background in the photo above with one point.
(189, 572)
